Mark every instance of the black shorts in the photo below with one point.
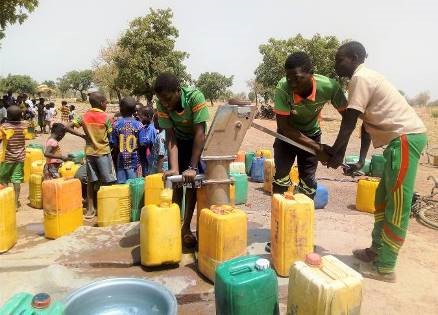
(185, 148)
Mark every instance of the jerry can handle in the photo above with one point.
(239, 270)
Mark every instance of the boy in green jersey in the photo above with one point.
(299, 99)
(183, 113)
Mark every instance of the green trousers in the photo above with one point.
(394, 198)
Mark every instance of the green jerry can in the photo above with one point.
(246, 286)
(29, 304)
(136, 188)
(377, 165)
(35, 146)
(241, 188)
(249, 157)
(77, 157)
(352, 159)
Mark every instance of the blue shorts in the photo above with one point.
(124, 174)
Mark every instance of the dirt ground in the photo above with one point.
(338, 229)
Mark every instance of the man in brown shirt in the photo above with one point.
(388, 120)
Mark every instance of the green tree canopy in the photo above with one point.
(75, 80)
(13, 11)
(321, 49)
(18, 83)
(50, 83)
(213, 85)
(63, 85)
(105, 72)
(148, 49)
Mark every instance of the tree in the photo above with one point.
(13, 11)
(105, 72)
(433, 103)
(18, 83)
(63, 85)
(50, 83)
(213, 85)
(148, 49)
(421, 99)
(252, 96)
(79, 81)
(321, 49)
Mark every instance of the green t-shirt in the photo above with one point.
(305, 112)
(195, 111)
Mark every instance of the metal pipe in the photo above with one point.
(170, 180)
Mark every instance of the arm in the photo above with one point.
(48, 153)
(286, 129)
(198, 145)
(160, 161)
(172, 148)
(70, 129)
(348, 124)
(365, 142)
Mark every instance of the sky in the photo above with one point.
(224, 36)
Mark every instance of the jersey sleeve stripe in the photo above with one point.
(198, 107)
(282, 112)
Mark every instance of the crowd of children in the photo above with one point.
(118, 148)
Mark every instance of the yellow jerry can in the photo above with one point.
(68, 169)
(222, 236)
(32, 155)
(292, 219)
(8, 224)
(57, 224)
(160, 232)
(153, 185)
(267, 154)
(62, 195)
(37, 167)
(366, 194)
(323, 286)
(113, 205)
(36, 191)
(269, 170)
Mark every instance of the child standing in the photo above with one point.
(158, 158)
(97, 128)
(147, 137)
(125, 140)
(72, 113)
(53, 155)
(48, 116)
(65, 112)
(13, 133)
(41, 110)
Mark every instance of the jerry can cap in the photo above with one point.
(313, 260)
(41, 301)
(262, 264)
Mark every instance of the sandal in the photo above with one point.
(366, 255)
(189, 240)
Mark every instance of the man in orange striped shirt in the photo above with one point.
(13, 134)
